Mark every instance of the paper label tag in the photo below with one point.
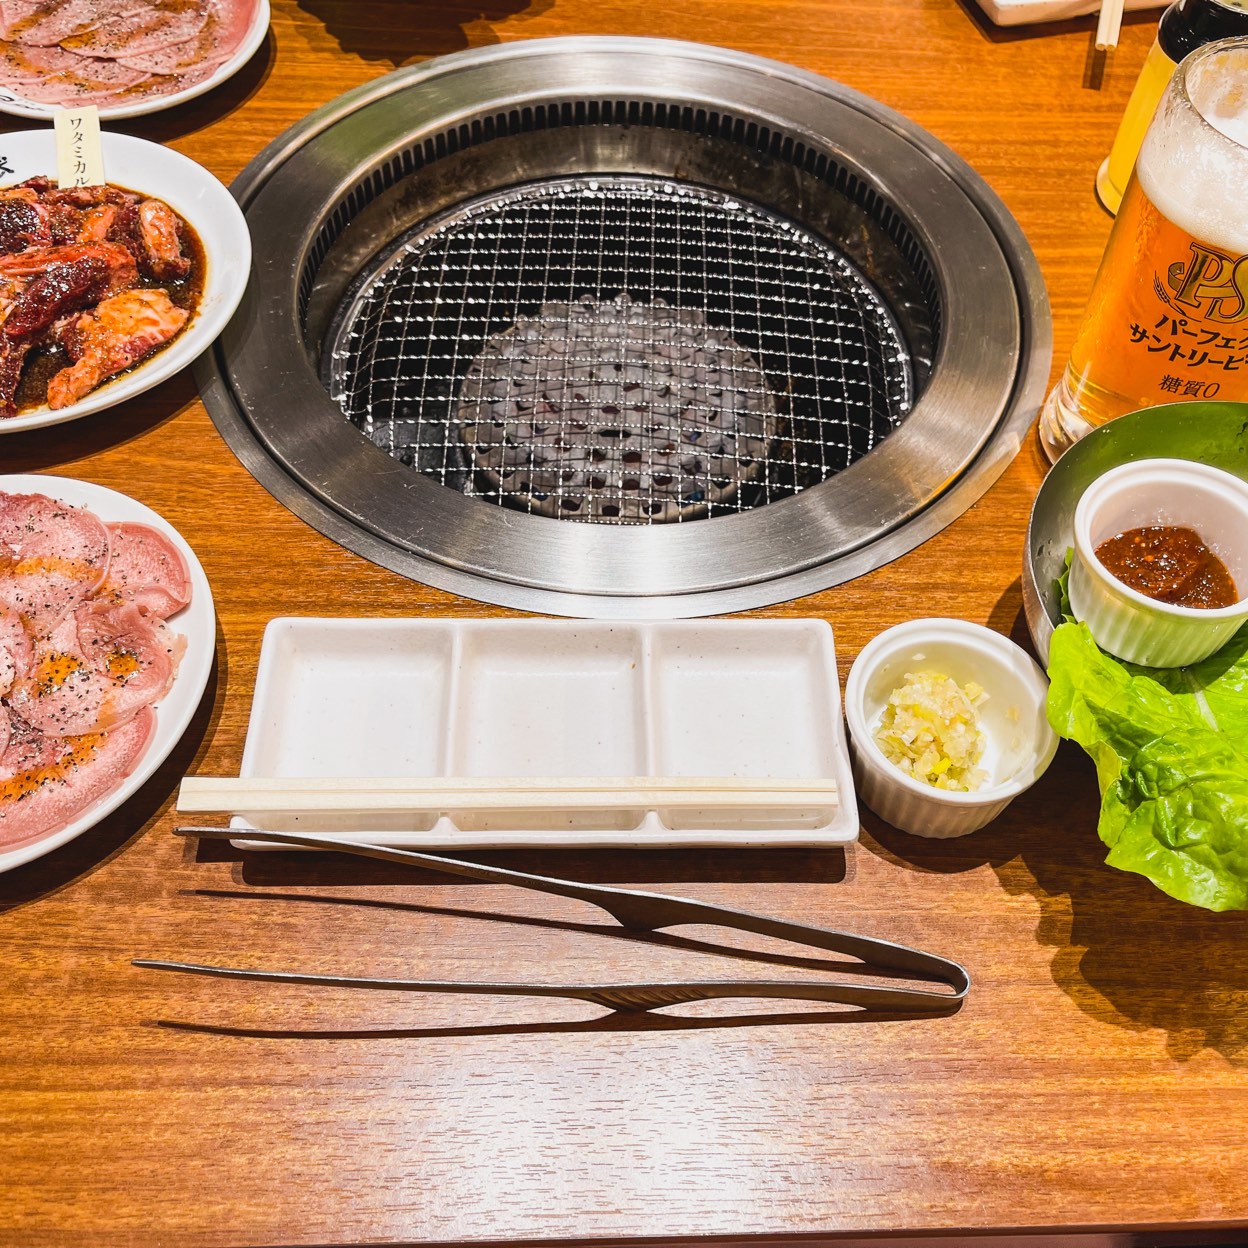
(79, 158)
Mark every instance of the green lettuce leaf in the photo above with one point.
(1171, 753)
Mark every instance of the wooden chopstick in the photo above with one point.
(202, 794)
(1108, 24)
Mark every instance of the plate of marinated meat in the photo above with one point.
(126, 59)
(107, 637)
(105, 291)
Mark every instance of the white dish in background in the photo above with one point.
(193, 193)
(432, 698)
(1019, 744)
(1023, 12)
(13, 102)
(197, 622)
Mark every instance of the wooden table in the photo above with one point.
(1095, 1079)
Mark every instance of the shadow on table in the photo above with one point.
(593, 866)
(399, 31)
(49, 449)
(610, 1022)
(1125, 953)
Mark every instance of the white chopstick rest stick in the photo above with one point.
(1108, 25)
(204, 794)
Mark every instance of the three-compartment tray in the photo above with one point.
(526, 698)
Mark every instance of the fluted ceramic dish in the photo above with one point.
(1018, 742)
(1159, 492)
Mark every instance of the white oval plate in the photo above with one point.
(192, 192)
(197, 622)
(14, 103)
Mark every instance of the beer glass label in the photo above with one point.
(1211, 284)
(1178, 328)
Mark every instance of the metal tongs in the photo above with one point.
(636, 911)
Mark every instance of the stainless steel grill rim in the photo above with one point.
(964, 429)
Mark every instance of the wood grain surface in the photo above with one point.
(1097, 1077)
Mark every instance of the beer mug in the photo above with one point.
(1167, 319)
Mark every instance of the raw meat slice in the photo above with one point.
(120, 331)
(204, 49)
(47, 788)
(27, 750)
(157, 25)
(48, 23)
(226, 28)
(99, 668)
(14, 11)
(6, 729)
(23, 225)
(159, 242)
(148, 569)
(16, 651)
(95, 223)
(12, 360)
(52, 557)
(91, 82)
(22, 63)
(64, 280)
(38, 260)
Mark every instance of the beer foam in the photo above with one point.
(1194, 176)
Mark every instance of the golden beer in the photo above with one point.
(1167, 320)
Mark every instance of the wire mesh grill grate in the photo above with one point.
(619, 349)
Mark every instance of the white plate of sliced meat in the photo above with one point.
(105, 291)
(127, 58)
(107, 637)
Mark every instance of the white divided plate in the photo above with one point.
(196, 622)
(1022, 12)
(192, 192)
(12, 101)
(433, 698)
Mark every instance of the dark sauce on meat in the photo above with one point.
(1169, 564)
(45, 362)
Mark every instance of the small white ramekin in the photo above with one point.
(1018, 742)
(1179, 492)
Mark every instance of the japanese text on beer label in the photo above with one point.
(1203, 326)
(79, 158)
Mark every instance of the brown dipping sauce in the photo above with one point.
(1169, 564)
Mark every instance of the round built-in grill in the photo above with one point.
(621, 327)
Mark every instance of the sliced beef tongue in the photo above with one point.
(45, 783)
(24, 65)
(158, 24)
(46, 24)
(216, 41)
(90, 81)
(99, 668)
(147, 569)
(17, 652)
(52, 557)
